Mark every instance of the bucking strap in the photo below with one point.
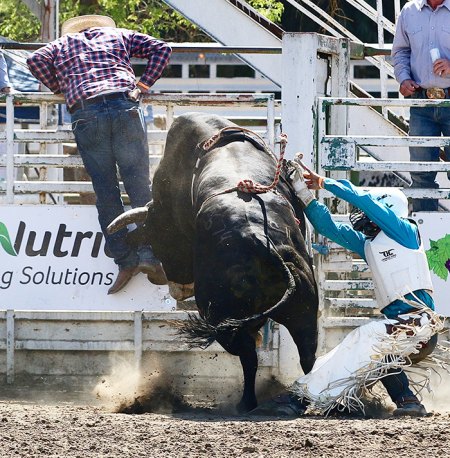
(230, 135)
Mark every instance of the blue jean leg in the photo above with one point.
(95, 132)
(130, 148)
(397, 383)
(444, 119)
(424, 122)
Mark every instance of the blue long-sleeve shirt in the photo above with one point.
(398, 229)
(419, 29)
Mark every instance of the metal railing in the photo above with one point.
(57, 134)
(345, 282)
(340, 151)
(134, 332)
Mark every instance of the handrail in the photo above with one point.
(339, 151)
(176, 47)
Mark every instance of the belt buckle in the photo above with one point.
(134, 95)
(435, 93)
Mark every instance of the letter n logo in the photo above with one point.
(5, 241)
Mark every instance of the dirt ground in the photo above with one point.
(43, 428)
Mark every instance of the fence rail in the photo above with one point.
(136, 332)
(342, 152)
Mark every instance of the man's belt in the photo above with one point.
(99, 99)
(433, 93)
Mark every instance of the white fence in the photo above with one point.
(136, 334)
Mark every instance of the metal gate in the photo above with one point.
(344, 280)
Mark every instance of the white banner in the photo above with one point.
(52, 258)
(434, 229)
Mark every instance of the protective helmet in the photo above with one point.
(393, 198)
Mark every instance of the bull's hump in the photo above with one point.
(202, 124)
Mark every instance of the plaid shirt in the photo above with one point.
(97, 61)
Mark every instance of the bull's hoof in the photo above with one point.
(245, 408)
(181, 292)
(155, 272)
(283, 405)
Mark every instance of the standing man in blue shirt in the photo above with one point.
(90, 64)
(421, 58)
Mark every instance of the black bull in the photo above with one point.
(245, 253)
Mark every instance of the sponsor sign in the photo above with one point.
(53, 258)
(436, 239)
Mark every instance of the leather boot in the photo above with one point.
(123, 277)
(283, 405)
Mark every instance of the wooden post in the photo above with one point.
(10, 346)
(138, 315)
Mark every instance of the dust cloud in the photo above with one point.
(128, 389)
(438, 399)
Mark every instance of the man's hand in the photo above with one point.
(408, 87)
(134, 95)
(441, 67)
(312, 179)
(298, 183)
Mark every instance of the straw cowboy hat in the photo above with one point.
(79, 23)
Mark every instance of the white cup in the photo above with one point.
(435, 54)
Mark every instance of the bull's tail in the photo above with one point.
(196, 331)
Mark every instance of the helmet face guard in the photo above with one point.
(361, 223)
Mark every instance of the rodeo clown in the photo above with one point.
(390, 244)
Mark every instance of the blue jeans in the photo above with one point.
(112, 137)
(430, 122)
(397, 384)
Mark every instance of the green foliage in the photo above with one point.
(5, 241)
(148, 16)
(17, 21)
(438, 256)
(271, 9)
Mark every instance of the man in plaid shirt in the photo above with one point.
(90, 64)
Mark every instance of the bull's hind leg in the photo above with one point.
(243, 345)
(286, 404)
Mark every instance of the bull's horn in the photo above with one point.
(136, 215)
